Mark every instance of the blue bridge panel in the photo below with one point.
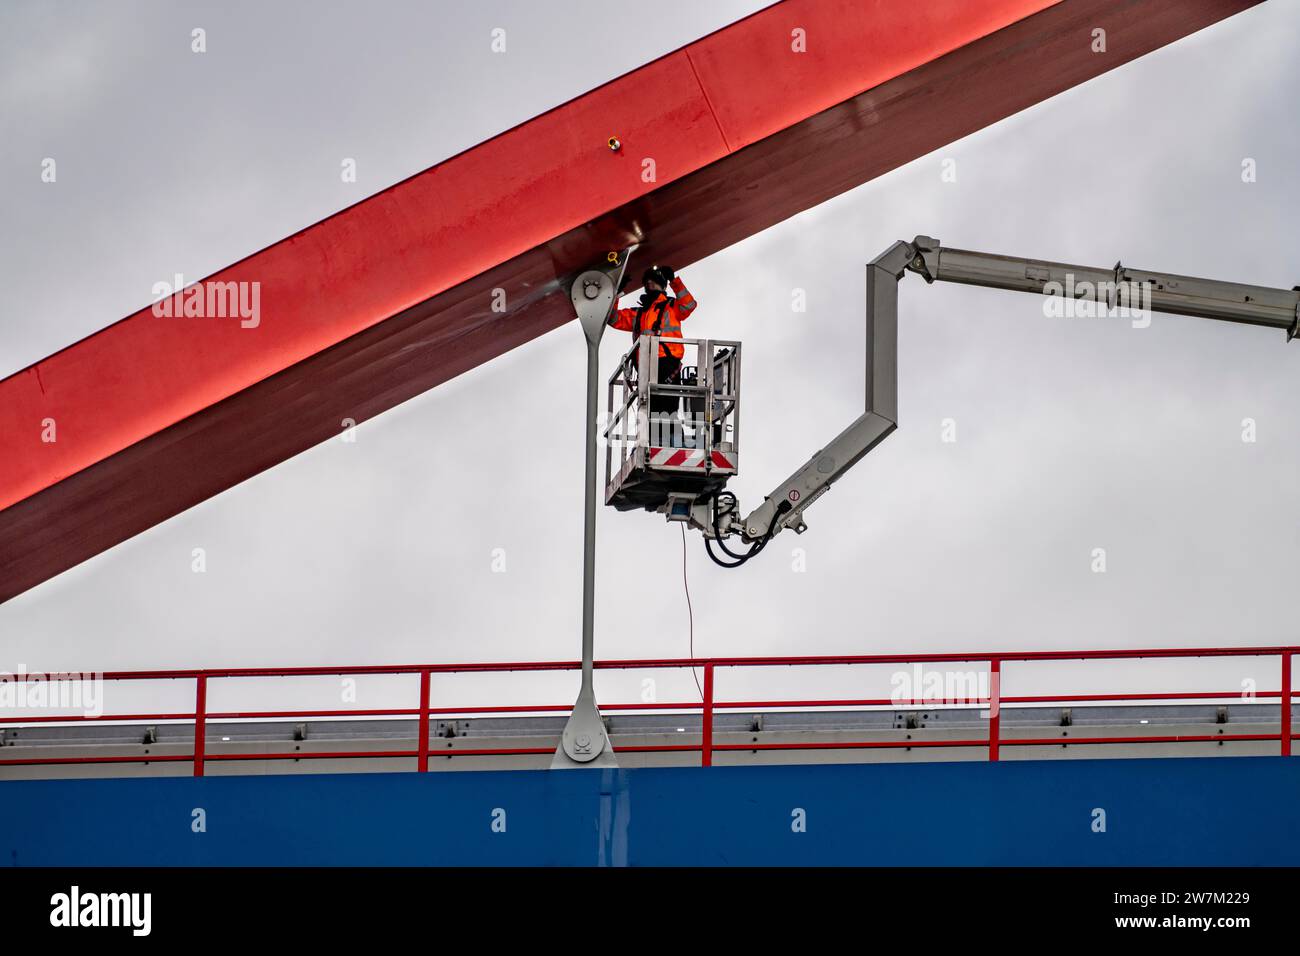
(1168, 812)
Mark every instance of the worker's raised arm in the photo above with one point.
(685, 301)
(622, 319)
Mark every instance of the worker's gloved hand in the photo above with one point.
(669, 274)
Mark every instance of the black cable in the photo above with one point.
(754, 548)
(717, 534)
(708, 546)
(690, 613)
(717, 529)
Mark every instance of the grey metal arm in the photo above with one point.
(1160, 292)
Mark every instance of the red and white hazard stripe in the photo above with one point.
(687, 458)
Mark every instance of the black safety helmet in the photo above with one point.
(655, 274)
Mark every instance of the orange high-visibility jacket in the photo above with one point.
(668, 313)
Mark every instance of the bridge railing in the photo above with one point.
(989, 701)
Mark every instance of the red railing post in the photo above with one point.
(1286, 704)
(200, 722)
(423, 766)
(706, 720)
(995, 707)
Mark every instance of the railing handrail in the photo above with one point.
(707, 706)
(468, 667)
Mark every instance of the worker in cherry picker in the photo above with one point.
(662, 315)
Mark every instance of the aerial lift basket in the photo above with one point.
(670, 444)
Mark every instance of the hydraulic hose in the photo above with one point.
(754, 549)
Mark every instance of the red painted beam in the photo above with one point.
(395, 295)
(469, 214)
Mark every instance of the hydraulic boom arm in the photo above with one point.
(1112, 288)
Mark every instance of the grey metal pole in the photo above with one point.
(589, 520)
(584, 742)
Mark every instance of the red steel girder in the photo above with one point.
(393, 296)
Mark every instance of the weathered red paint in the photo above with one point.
(392, 296)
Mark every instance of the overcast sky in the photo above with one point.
(1071, 434)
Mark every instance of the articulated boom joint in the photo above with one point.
(924, 257)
